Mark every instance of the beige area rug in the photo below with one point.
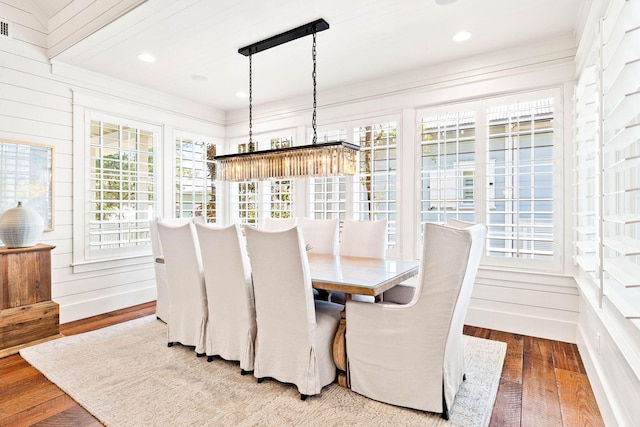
(125, 375)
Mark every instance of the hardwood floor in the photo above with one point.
(543, 383)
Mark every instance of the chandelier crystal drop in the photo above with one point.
(326, 159)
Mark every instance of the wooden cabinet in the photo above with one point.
(27, 313)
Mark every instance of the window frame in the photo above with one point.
(350, 129)
(178, 134)
(481, 184)
(83, 259)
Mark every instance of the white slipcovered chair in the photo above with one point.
(404, 292)
(232, 319)
(320, 235)
(162, 299)
(412, 355)
(363, 239)
(279, 224)
(187, 295)
(295, 334)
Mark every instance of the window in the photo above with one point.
(492, 162)
(371, 193)
(281, 204)
(195, 178)
(253, 200)
(447, 158)
(374, 187)
(328, 194)
(121, 186)
(520, 143)
(607, 159)
(245, 198)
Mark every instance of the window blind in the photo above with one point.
(122, 191)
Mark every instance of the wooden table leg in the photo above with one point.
(340, 348)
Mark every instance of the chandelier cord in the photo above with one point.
(250, 148)
(313, 120)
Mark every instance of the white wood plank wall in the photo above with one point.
(36, 107)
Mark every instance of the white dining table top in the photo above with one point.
(353, 275)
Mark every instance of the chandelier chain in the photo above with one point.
(250, 148)
(313, 120)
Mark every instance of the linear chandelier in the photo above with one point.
(314, 160)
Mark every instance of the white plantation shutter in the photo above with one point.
(447, 164)
(195, 179)
(620, 156)
(375, 184)
(280, 190)
(492, 162)
(122, 188)
(328, 195)
(520, 148)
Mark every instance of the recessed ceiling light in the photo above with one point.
(199, 78)
(445, 2)
(462, 36)
(146, 57)
(241, 94)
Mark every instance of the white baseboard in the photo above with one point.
(594, 372)
(553, 329)
(93, 307)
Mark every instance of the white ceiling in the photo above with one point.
(367, 39)
(51, 7)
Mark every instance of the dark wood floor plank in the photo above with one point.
(75, 416)
(107, 319)
(16, 380)
(477, 332)
(44, 411)
(11, 363)
(577, 402)
(566, 356)
(508, 406)
(27, 395)
(540, 400)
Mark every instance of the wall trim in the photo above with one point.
(105, 304)
(601, 388)
(516, 323)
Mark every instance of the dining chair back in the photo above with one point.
(294, 333)
(162, 287)
(187, 295)
(320, 235)
(412, 355)
(365, 239)
(279, 224)
(406, 291)
(231, 311)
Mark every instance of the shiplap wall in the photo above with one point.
(36, 106)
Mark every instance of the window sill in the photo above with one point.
(111, 263)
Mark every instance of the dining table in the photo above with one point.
(355, 276)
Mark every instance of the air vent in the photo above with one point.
(4, 29)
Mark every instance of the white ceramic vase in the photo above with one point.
(20, 227)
